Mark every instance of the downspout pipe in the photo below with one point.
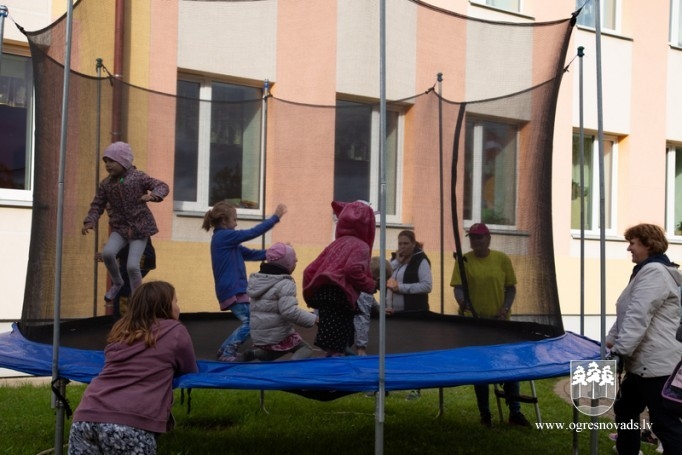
(117, 94)
(119, 35)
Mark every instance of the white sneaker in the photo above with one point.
(659, 449)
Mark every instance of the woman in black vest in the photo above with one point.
(411, 279)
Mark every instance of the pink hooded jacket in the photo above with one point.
(345, 262)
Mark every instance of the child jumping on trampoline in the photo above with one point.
(275, 310)
(333, 282)
(124, 194)
(228, 257)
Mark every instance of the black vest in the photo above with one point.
(415, 302)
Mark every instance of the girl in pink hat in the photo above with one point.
(124, 194)
(275, 310)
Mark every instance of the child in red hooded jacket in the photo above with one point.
(333, 281)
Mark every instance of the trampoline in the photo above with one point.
(423, 351)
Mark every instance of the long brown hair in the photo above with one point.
(151, 301)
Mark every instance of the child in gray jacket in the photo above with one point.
(275, 310)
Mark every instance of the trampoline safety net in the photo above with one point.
(491, 136)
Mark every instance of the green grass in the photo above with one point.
(232, 422)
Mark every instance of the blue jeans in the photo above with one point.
(240, 334)
(483, 392)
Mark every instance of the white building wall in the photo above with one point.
(616, 69)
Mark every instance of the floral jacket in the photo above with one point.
(128, 215)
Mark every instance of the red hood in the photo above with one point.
(355, 219)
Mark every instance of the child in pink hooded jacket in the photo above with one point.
(333, 281)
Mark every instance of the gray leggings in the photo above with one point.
(135, 252)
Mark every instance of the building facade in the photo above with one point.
(171, 47)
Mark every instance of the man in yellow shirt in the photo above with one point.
(491, 284)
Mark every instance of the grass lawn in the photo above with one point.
(232, 422)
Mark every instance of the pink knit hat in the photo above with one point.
(121, 152)
(282, 255)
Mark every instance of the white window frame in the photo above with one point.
(676, 23)
(204, 152)
(617, 5)
(500, 4)
(671, 222)
(594, 228)
(374, 182)
(15, 197)
(477, 176)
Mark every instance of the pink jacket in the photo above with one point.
(345, 262)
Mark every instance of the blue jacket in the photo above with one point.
(228, 256)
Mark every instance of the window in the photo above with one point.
(509, 5)
(673, 199)
(356, 155)
(590, 191)
(16, 127)
(609, 14)
(676, 22)
(490, 172)
(217, 145)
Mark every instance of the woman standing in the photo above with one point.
(411, 279)
(643, 336)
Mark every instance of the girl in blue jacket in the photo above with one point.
(228, 257)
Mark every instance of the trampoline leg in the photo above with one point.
(536, 403)
(498, 393)
(262, 402)
(440, 403)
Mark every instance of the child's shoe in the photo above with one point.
(227, 355)
(112, 292)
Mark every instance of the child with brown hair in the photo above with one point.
(228, 257)
(128, 404)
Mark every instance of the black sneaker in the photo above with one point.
(518, 419)
(486, 421)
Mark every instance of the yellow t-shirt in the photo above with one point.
(487, 277)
